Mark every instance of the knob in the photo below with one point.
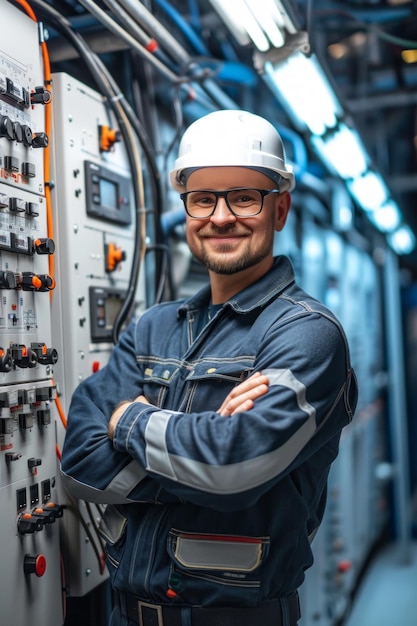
(40, 96)
(18, 132)
(108, 137)
(26, 135)
(114, 256)
(40, 140)
(36, 282)
(44, 355)
(6, 127)
(34, 564)
(44, 246)
(7, 280)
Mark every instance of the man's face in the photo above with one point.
(227, 244)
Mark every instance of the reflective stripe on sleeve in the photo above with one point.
(234, 477)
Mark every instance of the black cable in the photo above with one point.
(107, 86)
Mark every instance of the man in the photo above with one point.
(212, 429)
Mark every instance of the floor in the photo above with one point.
(387, 595)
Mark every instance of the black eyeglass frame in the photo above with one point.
(224, 194)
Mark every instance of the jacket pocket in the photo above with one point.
(157, 377)
(112, 529)
(214, 568)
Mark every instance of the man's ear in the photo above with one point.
(283, 205)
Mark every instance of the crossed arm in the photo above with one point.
(241, 398)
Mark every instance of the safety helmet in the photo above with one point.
(232, 138)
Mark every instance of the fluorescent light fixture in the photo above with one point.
(402, 241)
(342, 152)
(262, 23)
(387, 217)
(369, 191)
(303, 89)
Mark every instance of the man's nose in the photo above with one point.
(222, 214)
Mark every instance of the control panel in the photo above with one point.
(31, 513)
(94, 230)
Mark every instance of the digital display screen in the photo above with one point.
(113, 305)
(108, 193)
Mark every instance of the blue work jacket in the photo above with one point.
(204, 509)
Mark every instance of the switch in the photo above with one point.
(40, 140)
(11, 163)
(18, 132)
(40, 96)
(108, 137)
(44, 417)
(26, 524)
(47, 516)
(114, 255)
(12, 456)
(34, 463)
(22, 355)
(34, 564)
(44, 245)
(32, 209)
(6, 360)
(28, 170)
(36, 282)
(42, 394)
(6, 127)
(27, 136)
(7, 280)
(26, 421)
(6, 425)
(57, 509)
(44, 355)
(17, 204)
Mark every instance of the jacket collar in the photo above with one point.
(279, 277)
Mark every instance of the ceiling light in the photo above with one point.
(387, 217)
(303, 89)
(342, 152)
(402, 241)
(369, 191)
(261, 23)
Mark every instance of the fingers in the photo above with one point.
(242, 397)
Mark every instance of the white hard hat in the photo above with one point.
(232, 138)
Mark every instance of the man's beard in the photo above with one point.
(228, 266)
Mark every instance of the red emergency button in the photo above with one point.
(34, 564)
(344, 566)
(96, 366)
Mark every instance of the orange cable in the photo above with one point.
(48, 126)
(61, 412)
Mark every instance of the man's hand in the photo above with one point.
(118, 412)
(242, 397)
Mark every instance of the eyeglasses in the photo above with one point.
(241, 202)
